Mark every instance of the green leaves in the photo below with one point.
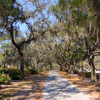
(7, 8)
(1, 57)
(62, 5)
(53, 8)
(78, 3)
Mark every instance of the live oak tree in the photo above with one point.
(11, 13)
(73, 37)
(79, 19)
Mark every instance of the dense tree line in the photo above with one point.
(73, 37)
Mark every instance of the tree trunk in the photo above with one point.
(21, 63)
(82, 66)
(98, 38)
(92, 66)
(4, 65)
(61, 68)
(91, 61)
(27, 64)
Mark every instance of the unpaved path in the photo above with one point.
(58, 88)
(28, 89)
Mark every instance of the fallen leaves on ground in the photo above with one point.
(85, 85)
(28, 89)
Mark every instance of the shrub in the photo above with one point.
(5, 79)
(75, 72)
(87, 74)
(34, 70)
(80, 73)
(27, 72)
(66, 70)
(15, 74)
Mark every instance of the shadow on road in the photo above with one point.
(55, 87)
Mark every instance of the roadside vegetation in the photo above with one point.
(42, 35)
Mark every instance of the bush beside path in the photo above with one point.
(28, 89)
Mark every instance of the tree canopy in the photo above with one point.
(65, 41)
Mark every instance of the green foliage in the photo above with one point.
(5, 79)
(91, 40)
(7, 8)
(76, 19)
(34, 70)
(80, 54)
(75, 72)
(1, 57)
(78, 3)
(79, 16)
(62, 5)
(87, 74)
(27, 72)
(14, 73)
(52, 8)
